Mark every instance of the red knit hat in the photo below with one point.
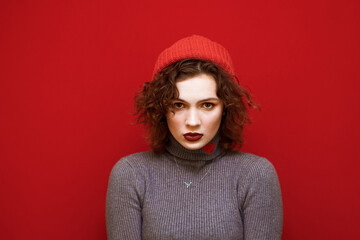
(196, 47)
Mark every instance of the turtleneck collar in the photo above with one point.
(208, 152)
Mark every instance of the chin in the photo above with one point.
(193, 146)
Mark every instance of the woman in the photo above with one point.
(193, 184)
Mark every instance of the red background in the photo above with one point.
(69, 71)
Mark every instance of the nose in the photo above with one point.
(192, 118)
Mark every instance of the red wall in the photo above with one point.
(69, 70)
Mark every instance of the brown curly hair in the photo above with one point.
(154, 100)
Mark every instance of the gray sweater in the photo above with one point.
(187, 194)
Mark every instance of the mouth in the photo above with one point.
(191, 136)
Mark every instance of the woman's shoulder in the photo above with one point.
(139, 157)
(247, 159)
(250, 164)
(136, 161)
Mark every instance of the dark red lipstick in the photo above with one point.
(190, 136)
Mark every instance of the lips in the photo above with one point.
(192, 136)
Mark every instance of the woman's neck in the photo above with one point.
(209, 152)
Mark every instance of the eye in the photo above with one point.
(178, 105)
(208, 105)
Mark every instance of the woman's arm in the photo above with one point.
(262, 207)
(123, 207)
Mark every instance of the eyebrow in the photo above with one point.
(202, 100)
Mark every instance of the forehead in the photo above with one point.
(201, 86)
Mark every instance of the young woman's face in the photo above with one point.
(195, 117)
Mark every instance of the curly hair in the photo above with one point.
(154, 101)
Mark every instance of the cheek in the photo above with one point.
(173, 121)
(215, 120)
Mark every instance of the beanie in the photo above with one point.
(195, 47)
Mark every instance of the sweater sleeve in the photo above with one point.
(262, 207)
(123, 203)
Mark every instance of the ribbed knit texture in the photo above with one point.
(196, 47)
(239, 197)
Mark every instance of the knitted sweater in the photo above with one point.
(191, 194)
